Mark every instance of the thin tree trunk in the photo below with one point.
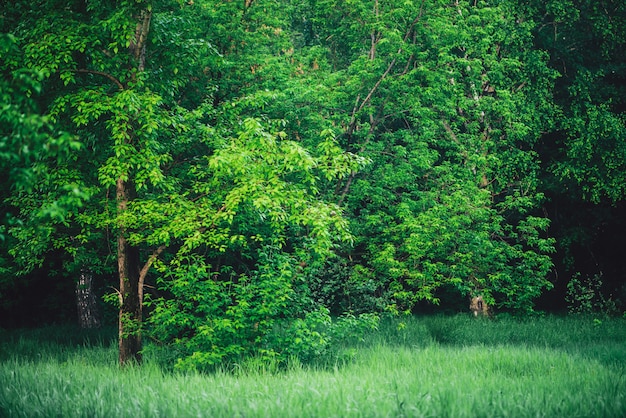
(130, 273)
(88, 312)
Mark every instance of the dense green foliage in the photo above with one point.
(258, 167)
(449, 103)
(421, 366)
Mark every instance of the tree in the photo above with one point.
(178, 184)
(448, 101)
(584, 152)
(584, 39)
(29, 143)
(96, 76)
(218, 151)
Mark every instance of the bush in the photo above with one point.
(209, 321)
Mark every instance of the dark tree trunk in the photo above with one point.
(88, 312)
(131, 312)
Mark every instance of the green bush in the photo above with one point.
(209, 320)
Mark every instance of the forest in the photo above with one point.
(253, 177)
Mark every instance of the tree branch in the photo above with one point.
(358, 108)
(346, 189)
(352, 125)
(144, 271)
(417, 19)
(103, 74)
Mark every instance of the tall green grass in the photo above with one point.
(424, 366)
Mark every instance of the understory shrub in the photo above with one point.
(210, 320)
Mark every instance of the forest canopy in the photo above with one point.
(230, 175)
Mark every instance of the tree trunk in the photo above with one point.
(131, 310)
(130, 273)
(478, 306)
(88, 313)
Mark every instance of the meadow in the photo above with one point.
(429, 366)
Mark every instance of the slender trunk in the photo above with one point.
(131, 311)
(88, 313)
(130, 272)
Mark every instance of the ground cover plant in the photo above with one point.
(453, 366)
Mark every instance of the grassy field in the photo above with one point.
(423, 366)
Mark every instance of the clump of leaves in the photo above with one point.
(584, 296)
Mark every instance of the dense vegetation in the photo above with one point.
(229, 176)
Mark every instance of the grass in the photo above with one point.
(425, 366)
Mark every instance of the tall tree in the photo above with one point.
(29, 145)
(447, 99)
(155, 174)
(94, 57)
(585, 39)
